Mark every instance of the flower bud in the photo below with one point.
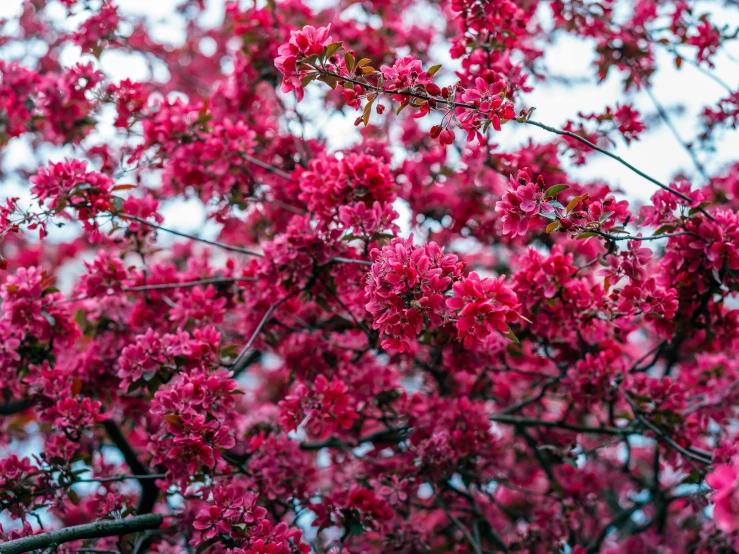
(446, 136)
(433, 89)
(565, 224)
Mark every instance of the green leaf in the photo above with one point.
(321, 301)
(553, 226)
(511, 336)
(355, 527)
(117, 203)
(368, 111)
(381, 236)
(587, 234)
(514, 350)
(229, 351)
(433, 70)
(606, 216)
(556, 189)
(349, 61)
(548, 215)
(699, 207)
(48, 317)
(203, 545)
(663, 229)
(693, 478)
(60, 205)
(332, 48)
(307, 79)
(329, 80)
(574, 202)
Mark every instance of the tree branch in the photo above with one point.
(619, 160)
(242, 355)
(149, 488)
(664, 436)
(666, 118)
(384, 435)
(95, 530)
(575, 136)
(191, 237)
(475, 545)
(268, 167)
(529, 422)
(14, 406)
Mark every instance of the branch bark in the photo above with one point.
(95, 530)
(149, 489)
(14, 406)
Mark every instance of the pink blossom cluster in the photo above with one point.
(392, 340)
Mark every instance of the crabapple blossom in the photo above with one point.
(227, 321)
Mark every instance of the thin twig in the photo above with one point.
(460, 525)
(268, 167)
(664, 436)
(158, 286)
(517, 407)
(351, 261)
(666, 118)
(188, 284)
(242, 355)
(621, 161)
(384, 435)
(653, 237)
(451, 103)
(191, 237)
(706, 403)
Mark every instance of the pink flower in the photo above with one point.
(724, 479)
(404, 74)
(402, 288)
(485, 95)
(309, 41)
(482, 306)
(522, 206)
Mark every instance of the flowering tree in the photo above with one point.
(531, 364)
